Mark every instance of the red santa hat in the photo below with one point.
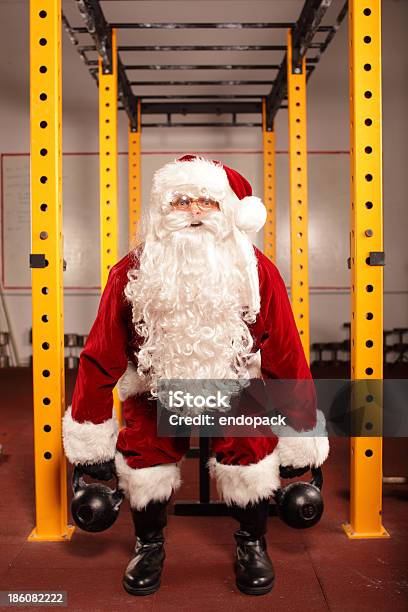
(250, 213)
(246, 212)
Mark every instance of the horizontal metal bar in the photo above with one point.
(220, 104)
(340, 18)
(306, 28)
(168, 48)
(98, 28)
(302, 34)
(203, 26)
(189, 83)
(184, 108)
(201, 48)
(202, 97)
(202, 67)
(311, 60)
(164, 111)
(156, 125)
(323, 45)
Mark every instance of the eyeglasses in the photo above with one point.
(184, 202)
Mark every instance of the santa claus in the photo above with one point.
(194, 300)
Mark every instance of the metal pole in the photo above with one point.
(46, 261)
(298, 197)
(269, 185)
(134, 177)
(366, 263)
(108, 155)
(108, 171)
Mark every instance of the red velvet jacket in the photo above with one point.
(112, 342)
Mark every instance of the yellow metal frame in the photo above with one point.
(108, 160)
(269, 187)
(367, 281)
(47, 282)
(108, 173)
(134, 177)
(298, 198)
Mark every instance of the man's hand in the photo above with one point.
(288, 471)
(99, 471)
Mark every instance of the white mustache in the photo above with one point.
(213, 221)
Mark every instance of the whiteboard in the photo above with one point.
(80, 219)
(328, 213)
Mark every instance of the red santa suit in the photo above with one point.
(246, 469)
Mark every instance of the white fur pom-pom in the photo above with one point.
(250, 214)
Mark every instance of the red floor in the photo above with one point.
(316, 570)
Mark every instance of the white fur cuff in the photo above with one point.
(300, 449)
(131, 383)
(144, 485)
(87, 442)
(244, 484)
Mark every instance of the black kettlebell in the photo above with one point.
(94, 507)
(300, 504)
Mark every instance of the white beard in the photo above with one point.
(189, 302)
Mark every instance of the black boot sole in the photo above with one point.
(256, 590)
(142, 591)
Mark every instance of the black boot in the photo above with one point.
(143, 573)
(253, 568)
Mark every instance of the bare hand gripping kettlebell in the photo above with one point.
(94, 507)
(300, 504)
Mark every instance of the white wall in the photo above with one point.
(327, 131)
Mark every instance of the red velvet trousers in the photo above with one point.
(142, 447)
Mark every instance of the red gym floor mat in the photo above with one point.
(317, 570)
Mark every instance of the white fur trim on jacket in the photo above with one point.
(144, 485)
(131, 383)
(244, 484)
(300, 449)
(87, 442)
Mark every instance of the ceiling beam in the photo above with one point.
(101, 32)
(303, 32)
